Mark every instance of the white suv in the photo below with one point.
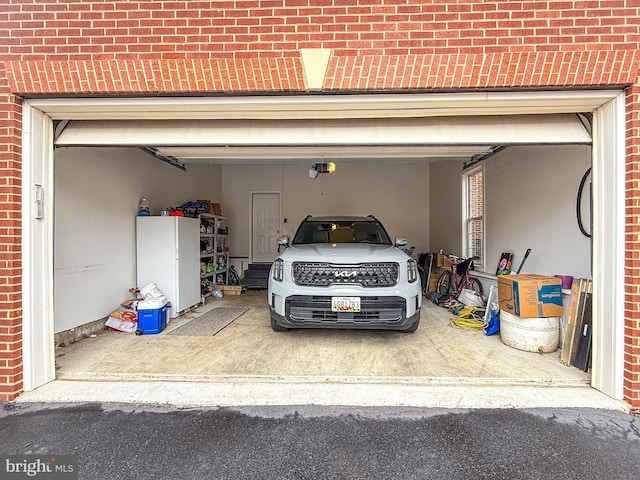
(344, 272)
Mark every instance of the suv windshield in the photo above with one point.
(339, 231)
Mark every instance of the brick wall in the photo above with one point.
(10, 248)
(632, 255)
(81, 29)
(84, 47)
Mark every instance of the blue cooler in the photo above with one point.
(152, 315)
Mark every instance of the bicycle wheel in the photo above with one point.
(474, 284)
(444, 283)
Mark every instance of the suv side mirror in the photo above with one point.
(400, 242)
(283, 241)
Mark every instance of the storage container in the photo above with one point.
(537, 334)
(530, 296)
(152, 303)
(152, 320)
(151, 290)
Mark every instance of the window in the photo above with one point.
(473, 214)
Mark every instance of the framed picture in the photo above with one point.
(504, 264)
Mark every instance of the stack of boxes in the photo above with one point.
(530, 311)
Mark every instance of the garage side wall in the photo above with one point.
(97, 195)
(549, 175)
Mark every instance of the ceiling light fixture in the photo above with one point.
(317, 168)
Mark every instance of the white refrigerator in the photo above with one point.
(168, 254)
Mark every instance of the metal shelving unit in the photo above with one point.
(214, 250)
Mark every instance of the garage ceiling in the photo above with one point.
(462, 138)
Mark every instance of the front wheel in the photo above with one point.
(474, 284)
(444, 283)
(413, 327)
(276, 327)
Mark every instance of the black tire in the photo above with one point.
(138, 332)
(444, 286)
(413, 327)
(475, 285)
(277, 327)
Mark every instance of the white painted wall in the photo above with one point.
(530, 203)
(445, 207)
(397, 194)
(96, 197)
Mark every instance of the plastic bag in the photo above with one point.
(492, 314)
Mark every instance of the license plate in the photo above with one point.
(345, 304)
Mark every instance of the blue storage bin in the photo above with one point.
(152, 320)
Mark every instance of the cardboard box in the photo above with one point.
(433, 282)
(530, 296)
(442, 261)
(132, 303)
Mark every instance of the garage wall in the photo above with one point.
(445, 196)
(96, 197)
(530, 203)
(395, 193)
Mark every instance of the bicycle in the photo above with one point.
(451, 282)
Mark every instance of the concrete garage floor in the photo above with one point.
(249, 364)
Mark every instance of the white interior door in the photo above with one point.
(265, 226)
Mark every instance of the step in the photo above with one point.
(257, 283)
(260, 273)
(260, 266)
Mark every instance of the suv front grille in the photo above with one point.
(307, 310)
(365, 274)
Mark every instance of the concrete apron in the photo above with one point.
(248, 364)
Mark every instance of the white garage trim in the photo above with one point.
(325, 106)
(608, 247)
(37, 249)
(607, 315)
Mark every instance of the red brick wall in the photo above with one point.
(150, 47)
(632, 256)
(10, 248)
(82, 29)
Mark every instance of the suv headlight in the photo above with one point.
(278, 270)
(412, 270)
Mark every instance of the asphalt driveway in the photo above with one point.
(307, 442)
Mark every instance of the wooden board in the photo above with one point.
(577, 334)
(583, 352)
(232, 289)
(577, 293)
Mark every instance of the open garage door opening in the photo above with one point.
(399, 170)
